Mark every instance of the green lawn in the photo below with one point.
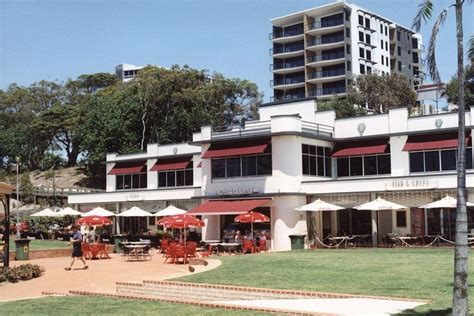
(413, 273)
(84, 305)
(39, 244)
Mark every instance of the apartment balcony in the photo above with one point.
(418, 62)
(288, 83)
(287, 67)
(328, 92)
(287, 51)
(318, 44)
(287, 36)
(318, 28)
(326, 59)
(287, 97)
(326, 75)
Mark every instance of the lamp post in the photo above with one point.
(18, 236)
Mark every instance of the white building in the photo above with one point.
(291, 156)
(317, 52)
(127, 72)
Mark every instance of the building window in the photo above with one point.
(361, 36)
(361, 20)
(437, 160)
(382, 59)
(381, 44)
(363, 165)
(361, 52)
(367, 23)
(399, 51)
(175, 178)
(131, 181)
(368, 55)
(316, 160)
(348, 48)
(349, 66)
(367, 38)
(386, 30)
(398, 36)
(401, 219)
(399, 66)
(381, 29)
(362, 69)
(386, 61)
(386, 46)
(242, 166)
(348, 32)
(369, 70)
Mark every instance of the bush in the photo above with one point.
(23, 272)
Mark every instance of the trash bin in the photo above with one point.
(297, 241)
(117, 240)
(22, 249)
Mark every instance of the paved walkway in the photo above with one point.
(100, 277)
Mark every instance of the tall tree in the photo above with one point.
(452, 88)
(461, 251)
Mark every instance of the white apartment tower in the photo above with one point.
(317, 52)
(127, 72)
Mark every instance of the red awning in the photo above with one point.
(433, 141)
(128, 167)
(172, 163)
(249, 147)
(368, 147)
(226, 207)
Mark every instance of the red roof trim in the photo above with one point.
(223, 207)
(433, 141)
(172, 163)
(249, 147)
(128, 168)
(368, 147)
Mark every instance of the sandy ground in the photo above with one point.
(100, 277)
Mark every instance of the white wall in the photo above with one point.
(286, 221)
(305, 109)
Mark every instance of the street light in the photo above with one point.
(18, 236)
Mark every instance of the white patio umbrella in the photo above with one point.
(98, 211)
(446, 202)
(135, 212)
(69, 211)
(318, 206)
(170, 211)
(379, 204)
(47, 212)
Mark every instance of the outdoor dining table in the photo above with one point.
(341, 240)
(405, 241)
(136, 251)
(228, 246)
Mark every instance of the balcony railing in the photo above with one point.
(286, 49)
(327, 91)
(321, 57)
(289, 97)
(319, 25)
(322, 41)
(286, 81)
(326, 73)
(287, 65)
(287, 33)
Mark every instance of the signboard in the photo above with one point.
(236, 191)
(134, 197)
(408, 184)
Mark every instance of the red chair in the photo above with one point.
(86, 250)
(247, 245)
(164, 245)
(262, 245)
(169, 254)
(179, 252)
(207, 253)
(191, 250)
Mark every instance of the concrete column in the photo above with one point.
(211, 229)
(374, 229)
(426, 220)
(334, 224)
(286, 221)
(116, 229)
(441, 221)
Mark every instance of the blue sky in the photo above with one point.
(56, 40)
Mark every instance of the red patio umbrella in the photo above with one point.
(252, 217)
(94, 221)
(181, 221)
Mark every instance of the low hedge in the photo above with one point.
(22, 272)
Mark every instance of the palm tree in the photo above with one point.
(460, 291)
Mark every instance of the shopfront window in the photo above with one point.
(437, 160)
(175, 178)
(401, 219)
(131, 181)
(316, 160)
(354, 166)
(242, 166)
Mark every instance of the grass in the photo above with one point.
(39, 244)
(413, 273)
(85, 305)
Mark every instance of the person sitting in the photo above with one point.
(238, 237)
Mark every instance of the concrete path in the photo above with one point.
(100, 277)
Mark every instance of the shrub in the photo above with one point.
(22, 272)
(12, 275)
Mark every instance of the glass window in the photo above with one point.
(143, 180)
(348, 48)
(386, 46)
(312, 150)
(448, 159)
(361, 52)
(361, 20)
(416, 162)
(362, 69)
(249, 165)
(188, 177)
(368, 55)
(264, 164)
(386, 30)
(399, 51)
(361, 36)
(327, 165)
(179, 178)
(398, 36)
(367, 38)
(342, 167)
(382, 59)
(381, 44)
(381, 28)
(119, 182)
(135, 181)
(305, 164)
(321, 165)
(355, 166)
(127, 181)
(401, 219)
(386, 61)
(233, 167)
(349, 65)
(170, 178)
(317, 162)
(305, 149)
(218, 168)
(383, 164)
(370, 165)
(432, 161)
(399, 66)
(369, 70)
(348, 32)
(162, 179)
(367, 23)
(312, 165)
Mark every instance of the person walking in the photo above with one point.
(76, 242)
